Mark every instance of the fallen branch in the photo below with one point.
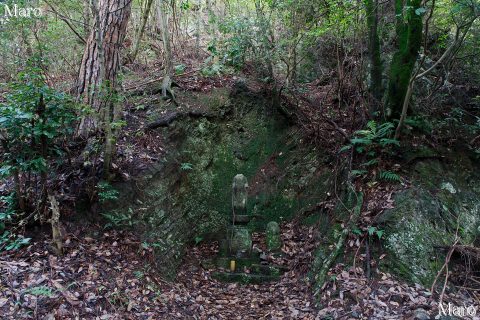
(137, 86)
(70, 297)
(444, 267)
(332, 123)
(464, 250)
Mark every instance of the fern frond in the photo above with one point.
(345, 148)
(361, 141)
(389, 176)
(372, 125)
(370, 163)
(385, 142)
(364, 133)
(356, 173)
(385, 130)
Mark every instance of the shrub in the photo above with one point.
(33, 121)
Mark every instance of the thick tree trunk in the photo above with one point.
(101, 58)
(376, 68)
(409, 32)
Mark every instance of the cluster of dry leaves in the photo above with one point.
(108, 277)
(353, 296)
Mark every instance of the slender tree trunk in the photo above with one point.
(409, 32)
(112, 116)
(266, 43)
(376, 67)
(167, 47)
(41, 108)
(86, 18)
(197, 35)
(210, 14)
(101, 58)
(18, 191)
(446, 56)
(141, 30)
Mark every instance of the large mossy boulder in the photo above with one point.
(443, 200)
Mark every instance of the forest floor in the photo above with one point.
(108, 274)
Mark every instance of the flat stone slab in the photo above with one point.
(242, 218)
(245, 278)
(270, 270)
(240, 263)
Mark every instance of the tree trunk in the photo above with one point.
(163, 26)
(112, 117)
(197, 35)
(409, 33)
(376, 68)
(101, 58)
(86, 18)
(141, 30)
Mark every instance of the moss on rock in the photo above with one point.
(427, 217)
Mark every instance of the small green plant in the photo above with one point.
(186, 166)
(7, 211)
(106, 192)
(358, 173)
(198, 240)
(373, 137)
(9, 241)
(140, 107)
(370, 231)
(179, 69)
(8, 214)
(214, 69)
(185, 5)
(370, 144)
(40, 291)
(389, 176)
(374, 231)
(118, 218)
(419, 123)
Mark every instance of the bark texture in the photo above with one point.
(162, 19)
(112, 23)
(409, 32)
